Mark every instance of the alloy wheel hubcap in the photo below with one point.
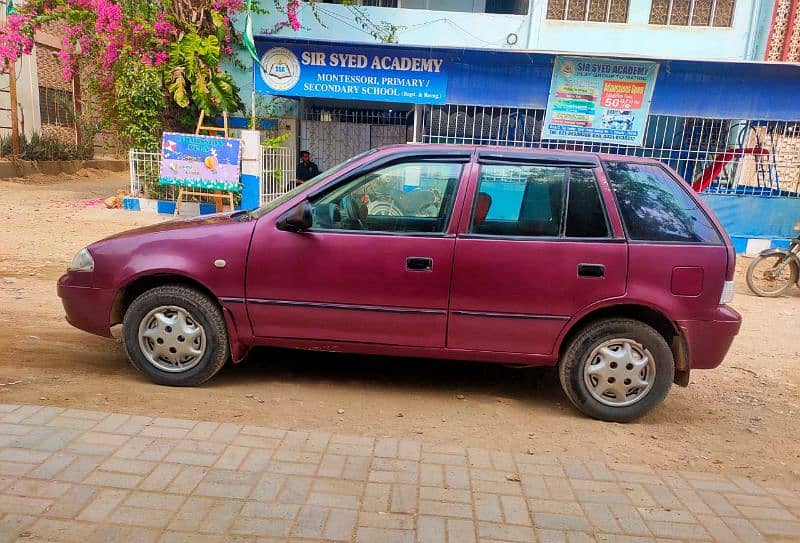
(171, 339)
(619, 372)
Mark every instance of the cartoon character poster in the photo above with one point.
(599, 100)
(200, 162)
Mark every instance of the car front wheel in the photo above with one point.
(175, 335)
(617, 369)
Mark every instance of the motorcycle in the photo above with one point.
(774, 271)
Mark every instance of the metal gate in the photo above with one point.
(277, 172)
(333, 135)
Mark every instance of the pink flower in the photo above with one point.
(291, 14)
(67, 59)
(163, 27)
(110, 55)
(160, 58)
(16, 39)
(109, 16)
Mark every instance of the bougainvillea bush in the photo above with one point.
(151, 64)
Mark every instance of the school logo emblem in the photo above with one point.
(567, 69)
(280, 69)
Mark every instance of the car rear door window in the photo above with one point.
(655, 207)
(414, 197)
(519, 200)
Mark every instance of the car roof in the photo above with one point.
(515, 152)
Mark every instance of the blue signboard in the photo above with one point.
(393, 74)
(523, 79)
(599, 100)
(199, 162)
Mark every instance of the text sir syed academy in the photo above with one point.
(378, 62)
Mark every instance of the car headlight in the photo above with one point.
(82, 261)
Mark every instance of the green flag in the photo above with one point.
(10, 8)
(247, 38)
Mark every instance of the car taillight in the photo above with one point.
(728, 288)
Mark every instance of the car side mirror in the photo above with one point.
(297, 219)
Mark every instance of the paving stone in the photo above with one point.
(35, 488)
(66, 531)
(23, 505)
(295, 490)
(431, 530)
(557, 521)
(74, 475)
(487, 507)
(404, 499)
(52, 466)
(310, 522)
(446, 509)
(386, 520)
(340, 525)
(377, 497)
(125, 534)
(102, 505)
(116, 480)
(504, 532)
(73, 501)
(334, 500)
(383, 535)
(677, 530)
(155, 500)
(161, 477)
(261, 527)
(206, 515)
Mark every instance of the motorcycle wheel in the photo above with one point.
(764, 281)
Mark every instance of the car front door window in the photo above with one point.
(414, 197)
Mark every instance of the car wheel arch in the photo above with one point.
(648, 315)
(137, 285)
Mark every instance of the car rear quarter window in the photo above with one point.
(655, 207)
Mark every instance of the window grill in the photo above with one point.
(717, 13)
(602, 11)
(725, 156)
(55, 107)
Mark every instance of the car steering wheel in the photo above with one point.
(352, 211)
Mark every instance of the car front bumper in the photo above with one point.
(86, 307)
(708, 341)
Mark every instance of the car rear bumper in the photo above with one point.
(708, 341)
(86, 307)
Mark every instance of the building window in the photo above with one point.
(601, 11)
(55, 106)
(692, 12)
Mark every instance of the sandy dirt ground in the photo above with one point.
(741, 418)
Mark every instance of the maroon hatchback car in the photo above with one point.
(607, 266)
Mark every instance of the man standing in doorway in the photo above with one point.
(306, 169)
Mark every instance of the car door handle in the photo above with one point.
(591, 270)
(419, 263)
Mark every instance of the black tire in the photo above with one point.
(207, 315)
(780, 289)
(576, 357)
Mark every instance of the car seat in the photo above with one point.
(482, 204)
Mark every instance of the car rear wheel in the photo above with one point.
(617, 369)
(175, 335)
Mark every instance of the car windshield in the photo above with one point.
(272, 204)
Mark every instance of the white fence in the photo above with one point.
(277, 172)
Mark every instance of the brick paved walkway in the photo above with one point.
(71, 475)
